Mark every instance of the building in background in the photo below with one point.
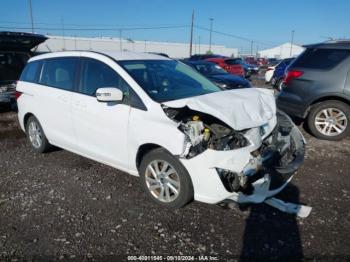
(175, 50)
(282, 51)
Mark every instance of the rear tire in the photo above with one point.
(36, 136)
(329, 120)
(165, 180)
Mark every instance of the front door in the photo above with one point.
(101, 127)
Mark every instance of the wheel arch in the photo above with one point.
(25, 119)
(343, 99)
(143, 150)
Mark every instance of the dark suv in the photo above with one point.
(317, 88)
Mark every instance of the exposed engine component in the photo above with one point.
(204, 131)
(220, 130)
(226, 139)
(194, 130)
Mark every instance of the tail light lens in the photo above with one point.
(290, 75)
(18, 94)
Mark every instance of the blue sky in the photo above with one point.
(268, 22)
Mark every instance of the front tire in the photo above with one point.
(165, 180)
(329, 120)
(36, 135)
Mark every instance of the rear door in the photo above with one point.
(101, 127)
(53, 98)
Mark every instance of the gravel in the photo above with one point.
(60, 205)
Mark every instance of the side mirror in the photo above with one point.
(109, 94)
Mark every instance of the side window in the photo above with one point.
(31, 71)
(321, 58)
(95, 74)
(59, 72)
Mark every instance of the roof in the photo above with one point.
(127, 55)
(336, 44)
(197, 62)
(282, 51)
(118, 56)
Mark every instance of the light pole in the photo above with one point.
(199, 44)
(211, 31)
(31, 15)
(63, 34)
(120, 40)
(191, 37)
(291, 44)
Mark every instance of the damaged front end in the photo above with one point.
(245, 166)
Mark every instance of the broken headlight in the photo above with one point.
(231, 180)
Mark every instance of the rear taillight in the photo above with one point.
(290, 75)
(18, 94)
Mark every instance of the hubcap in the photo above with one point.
(162, 181)
(331, 122)
(35, 135)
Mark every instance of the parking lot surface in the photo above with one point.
(61, 205)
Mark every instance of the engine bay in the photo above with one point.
(204, 131)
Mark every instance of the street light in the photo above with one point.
(211, 30)
(31, 15)
(291, 44)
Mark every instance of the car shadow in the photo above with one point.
(271, 234)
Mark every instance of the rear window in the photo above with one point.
(321, 58)
(30, 72)
(59, 72)
(11, 66)
(232, 62)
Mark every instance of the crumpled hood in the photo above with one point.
(240, 108)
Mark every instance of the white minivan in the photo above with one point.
(154, 117)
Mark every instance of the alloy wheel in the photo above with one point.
(35, 134)
(331, 122)
(162, 181)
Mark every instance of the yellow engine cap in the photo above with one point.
(195, 118)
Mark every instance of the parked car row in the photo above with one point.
(218, 75)
(235, 66)
(279, 72)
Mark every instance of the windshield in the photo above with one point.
(166, 80)
(210, 69)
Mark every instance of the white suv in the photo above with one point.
(154, 117)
